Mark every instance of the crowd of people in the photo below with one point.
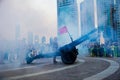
(17, 53)
(109, 49)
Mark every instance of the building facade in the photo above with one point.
(30, 38)
(87, 16)
(117, 20)
(105, 18)
(36, 39)
(67, 15)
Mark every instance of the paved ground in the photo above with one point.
(44, 69)
(116, 75)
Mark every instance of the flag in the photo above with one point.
(63, 30)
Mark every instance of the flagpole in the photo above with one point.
(70, 36)
(64, 30)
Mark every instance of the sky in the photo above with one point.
(37, 16)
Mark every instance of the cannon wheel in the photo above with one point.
(29, 60)
(69, 57)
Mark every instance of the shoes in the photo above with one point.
(54, 62)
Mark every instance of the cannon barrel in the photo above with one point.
(83, 38)
(67, 52)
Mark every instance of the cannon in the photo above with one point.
(67, 52)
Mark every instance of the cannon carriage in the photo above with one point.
(67, 52)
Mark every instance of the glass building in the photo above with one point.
(67, 15)
(30, 38)
(105, 18)
(87, 16)
(117, 19)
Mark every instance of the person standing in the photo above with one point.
(55, 47)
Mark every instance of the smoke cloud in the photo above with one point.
(32, 16)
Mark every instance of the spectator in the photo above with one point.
(54, 48)
(112, 50)
(94, 50)
(101, 50)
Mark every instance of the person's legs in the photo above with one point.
(55, 56)
(54, 60)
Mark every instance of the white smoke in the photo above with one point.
(32, 16)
